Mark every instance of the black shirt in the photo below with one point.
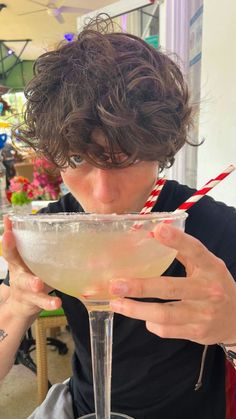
(155, 378)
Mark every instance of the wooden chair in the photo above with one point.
(46, 320)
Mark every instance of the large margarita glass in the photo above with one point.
(79, 254)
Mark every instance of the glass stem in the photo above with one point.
(101, 328)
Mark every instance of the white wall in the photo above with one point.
(218, 97)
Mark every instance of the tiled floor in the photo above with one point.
(18, 392)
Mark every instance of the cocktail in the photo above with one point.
(79, 254)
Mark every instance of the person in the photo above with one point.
(8, 160)
(112, 112)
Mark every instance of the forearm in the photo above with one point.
(12, 329)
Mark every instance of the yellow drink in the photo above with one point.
(83, 263)
(79, 254)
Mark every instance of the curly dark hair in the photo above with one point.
(114, 81)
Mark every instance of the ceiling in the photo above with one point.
(44, 30)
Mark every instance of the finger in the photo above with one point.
(167, 288)
(26, 281)
(189, 331)
(30, 289)
(7, 223)
(189, 247)
(168, 313)
(189, 266)
(43, 301)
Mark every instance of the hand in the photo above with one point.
(206, 310)
(28, 295)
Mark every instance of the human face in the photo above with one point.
(111, 190)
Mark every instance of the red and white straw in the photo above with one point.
(205, 189)
(152, 199)
(150, 203)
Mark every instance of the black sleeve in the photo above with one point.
(6, 280)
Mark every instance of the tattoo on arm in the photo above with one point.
(3, 335)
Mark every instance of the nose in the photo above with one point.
(105, 185)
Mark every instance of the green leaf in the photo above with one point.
(19, 198)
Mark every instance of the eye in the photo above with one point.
(76, 160)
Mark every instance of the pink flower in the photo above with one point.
(45, 184)
(30, 195)
(42, 164)
(19, 184)
(35, 183)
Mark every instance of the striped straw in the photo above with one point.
(152, 199)
(205, 189)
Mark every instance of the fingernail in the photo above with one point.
(116, 305)
(119, 287)
(52, 303)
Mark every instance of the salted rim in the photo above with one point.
(61, 217)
